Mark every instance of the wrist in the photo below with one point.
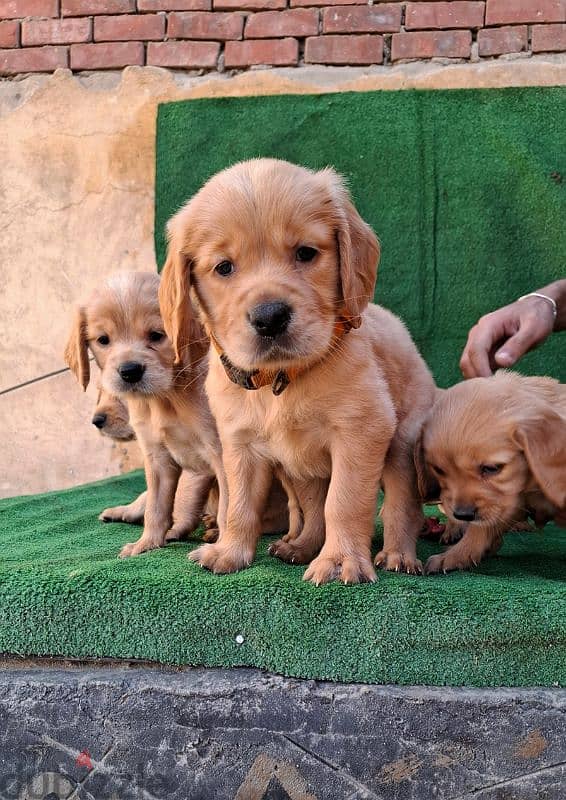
(557, 292)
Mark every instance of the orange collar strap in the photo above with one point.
(279, 379)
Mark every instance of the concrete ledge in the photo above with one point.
(130, 731)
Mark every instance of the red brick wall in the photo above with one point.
(41, 35)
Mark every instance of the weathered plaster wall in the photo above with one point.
(76, 203)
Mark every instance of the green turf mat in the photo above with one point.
(465, 188)
(64, 592)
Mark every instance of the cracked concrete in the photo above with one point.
(195, 734)
(76, 203)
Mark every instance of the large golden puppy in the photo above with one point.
(281, 268)
(496, 447)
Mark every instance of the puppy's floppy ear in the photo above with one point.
(359, 253)
(76, 349)
(542, 439)
(428, 486)
(174, 301)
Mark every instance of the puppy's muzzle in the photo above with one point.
(99, 420)
(465, 513)
(270, 319)
(131, 371)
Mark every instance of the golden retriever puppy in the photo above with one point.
(303, 374)
(167, 407)
(496, 447)
(111, 417)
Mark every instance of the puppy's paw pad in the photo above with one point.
(219, 559)
(399, 562)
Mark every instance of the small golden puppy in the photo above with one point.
(111, 417)
(167, 407)
(304, 374)
(496, 447)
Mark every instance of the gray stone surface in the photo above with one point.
(200, 734)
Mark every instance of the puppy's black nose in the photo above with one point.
(131, 371)
(270, 319)
(99, 420)
(465, 513)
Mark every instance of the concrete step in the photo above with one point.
(121, 731)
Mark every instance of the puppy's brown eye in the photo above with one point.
(490, 469)
(224, 268)
(156, 336)
(104, 339)
(437, 470)
(305, 254)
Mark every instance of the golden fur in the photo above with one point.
(113, 418)
(167, 408)
(351, 413)
(496, 448)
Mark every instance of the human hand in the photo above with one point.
(500, 338)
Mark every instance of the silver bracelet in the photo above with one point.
(543, 297)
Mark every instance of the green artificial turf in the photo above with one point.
(465, 188)
(64, 592)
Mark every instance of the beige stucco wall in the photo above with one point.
(76, 203)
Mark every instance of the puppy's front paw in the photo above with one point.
(221, 559)
(399, 562)
(209, 521)
(137, 548)
(121, 514)
(447, 562)
(348, 569)
(453, 532)
(211, 535)
(290, 552)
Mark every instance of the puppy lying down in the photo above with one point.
(305, 374)
(496, 447)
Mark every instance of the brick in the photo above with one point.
(500, 12)
(32, 59)
(9, 34)
(129, 26)
(55, 31)
(364, 49)
(548, 38)
(383, 18)
(248, 5)
(80, 8)
(108, 55)
(496, 41)
(421, 16)
(431, 44)
(205, 25)
(296, 22)
(184, 55)
(299, 3)
(13, 9)
(275, 52)
(174, 5)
